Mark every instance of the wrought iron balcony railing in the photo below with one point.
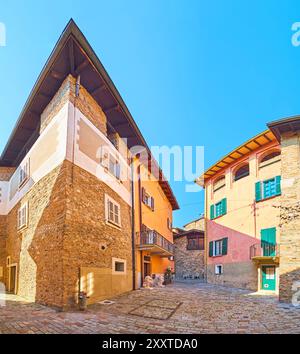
(264, 249)
(153, 238)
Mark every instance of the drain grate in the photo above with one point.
(106, 302)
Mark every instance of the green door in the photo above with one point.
(268, 278)
(268, 242)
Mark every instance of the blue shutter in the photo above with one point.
(258, 195)
(224, 206)
(212, 212)
(278, 186)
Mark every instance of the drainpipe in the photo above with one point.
(205, 234)
(133, 225)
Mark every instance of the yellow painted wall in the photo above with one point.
(241, 195)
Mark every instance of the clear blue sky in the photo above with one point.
(191, 72)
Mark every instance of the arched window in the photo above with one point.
(270, 158)
(219, 183)
(241, 172)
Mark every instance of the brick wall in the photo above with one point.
(290, 216)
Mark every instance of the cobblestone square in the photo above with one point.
(179, 308)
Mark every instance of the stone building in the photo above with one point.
(251, 213)
(189, 254)
(70, 187)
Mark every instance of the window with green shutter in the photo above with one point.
(224, 246)
(211, 249)
(268, 188)
(212, 212)
(218, 209)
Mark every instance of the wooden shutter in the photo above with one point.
(258, 195)
(211, 249)
(212, 212)
(277, 185)
(224, 206)
(143, 194)
(152, 203)
(224, 246)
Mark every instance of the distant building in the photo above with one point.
(189, 247)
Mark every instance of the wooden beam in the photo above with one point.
(44, 95)
(81, 67)
(98, 89)
(111, 109)
(256, 142)
(71, 57)
(56, 75)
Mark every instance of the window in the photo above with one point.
(118, 266)
(218, 209)
(268, 188)
(269, 159)
(23, 173)
(218, 269)
(241, 172)
(22, 216)
(147, 199)
(169, 224)
(195, 243)
(219, 184)
(218, 247)
(112, 211)
(114, 167)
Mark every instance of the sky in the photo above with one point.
(192, 73)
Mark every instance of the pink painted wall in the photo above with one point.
(238, 243)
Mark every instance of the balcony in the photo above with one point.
(155, 243)
(265, 253)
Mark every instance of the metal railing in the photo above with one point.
(264, 249)
(151, 237)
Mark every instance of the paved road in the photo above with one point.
(180, 308)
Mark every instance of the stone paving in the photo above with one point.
(179, 308)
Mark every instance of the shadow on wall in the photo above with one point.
(289, 287)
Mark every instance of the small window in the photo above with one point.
(242, 172)
(218, 209)
(118, 266)
(195, 243)
(218, 269)
(114, 167)
(270, 159)
(22, 216)
(268, 188)
(147, 199)
(218, 248)
(219, 184)
(112, 211)
(169, 224)
(23, 174)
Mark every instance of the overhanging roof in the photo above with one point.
(73, 54)
(289, 124)
(250, 145)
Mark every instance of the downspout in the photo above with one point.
(140, 217)
(205, 233)
(133, 225)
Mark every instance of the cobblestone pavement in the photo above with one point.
(180, 308)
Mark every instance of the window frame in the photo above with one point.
(239, 168)
(119, 260)
(24, 173)
(221, 267)
(22, 219)
(108, 212)
(220, 243)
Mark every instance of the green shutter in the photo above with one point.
(268, 241)
(224, 246)
(211, 248)
(224, 206)
(258, 191)
(278, 187)
(212, 212)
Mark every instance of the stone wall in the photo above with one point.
(290, 216)
(239, 275)
(187, 262)
(89, 241)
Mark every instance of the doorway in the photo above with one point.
(268, 278)
(12, 279)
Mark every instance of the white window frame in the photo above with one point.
(24, 173)
(220, 243)
(119, 260)
(22, 216)
(108, 219)
(116, 172)
(217, 269)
